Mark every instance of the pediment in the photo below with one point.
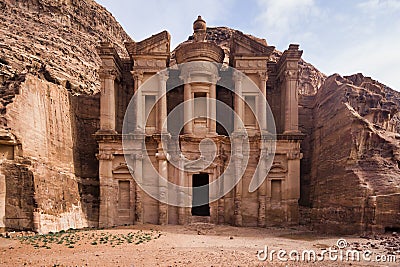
(247, 46)
(158, 44)
(277, 167)
(123, 168)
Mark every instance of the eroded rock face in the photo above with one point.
(48, 186)
(56, 41)
(49, 110)
(351, 177)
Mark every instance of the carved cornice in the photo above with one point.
(199, 51)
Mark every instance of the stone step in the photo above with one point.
(200, 219)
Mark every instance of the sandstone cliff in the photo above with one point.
(55, 40)
(350, 170)
(49, 109)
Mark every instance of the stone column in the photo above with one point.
(238, 102)
(213, 193)
(213, 105)
(106, 214)
(237, 157)
(138, 158)
(237, 212)
(262, 190)
(263, 100)
(138, 79)
(161, 156)
(183, 195)
(221, 200)
(107, 101)
(188, 107)
(162, 109)
(293, 184)
(291, 102)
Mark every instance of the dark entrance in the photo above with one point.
(200, 195)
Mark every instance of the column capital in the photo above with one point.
(294, 154)
(163, 75)
(104, 156)
(108, 74)
(290, 74)
(238, 76)
(137, 75)
(263, 75)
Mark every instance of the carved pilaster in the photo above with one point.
(162, 110)
(239, 107)
(162, 158)
(107, 100)
(107, 207)
(262, 190)
(138, 80)
(187, 106)
(138, 158)
(291, 101)
(213, 104)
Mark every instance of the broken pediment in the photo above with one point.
(247, 46)
(158, 44)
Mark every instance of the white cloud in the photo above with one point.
(280, 18)
(380, 6)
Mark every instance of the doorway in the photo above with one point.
(200, 195)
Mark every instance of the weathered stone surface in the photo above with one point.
(56, 40)
(47, 59)
(42, 119)
(351, 177)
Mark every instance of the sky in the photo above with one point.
(340, 36)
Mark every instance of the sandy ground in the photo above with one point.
(192, 245)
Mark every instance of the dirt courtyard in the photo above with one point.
(195, 245)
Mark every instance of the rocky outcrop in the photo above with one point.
(55, 40)
(49, 109)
